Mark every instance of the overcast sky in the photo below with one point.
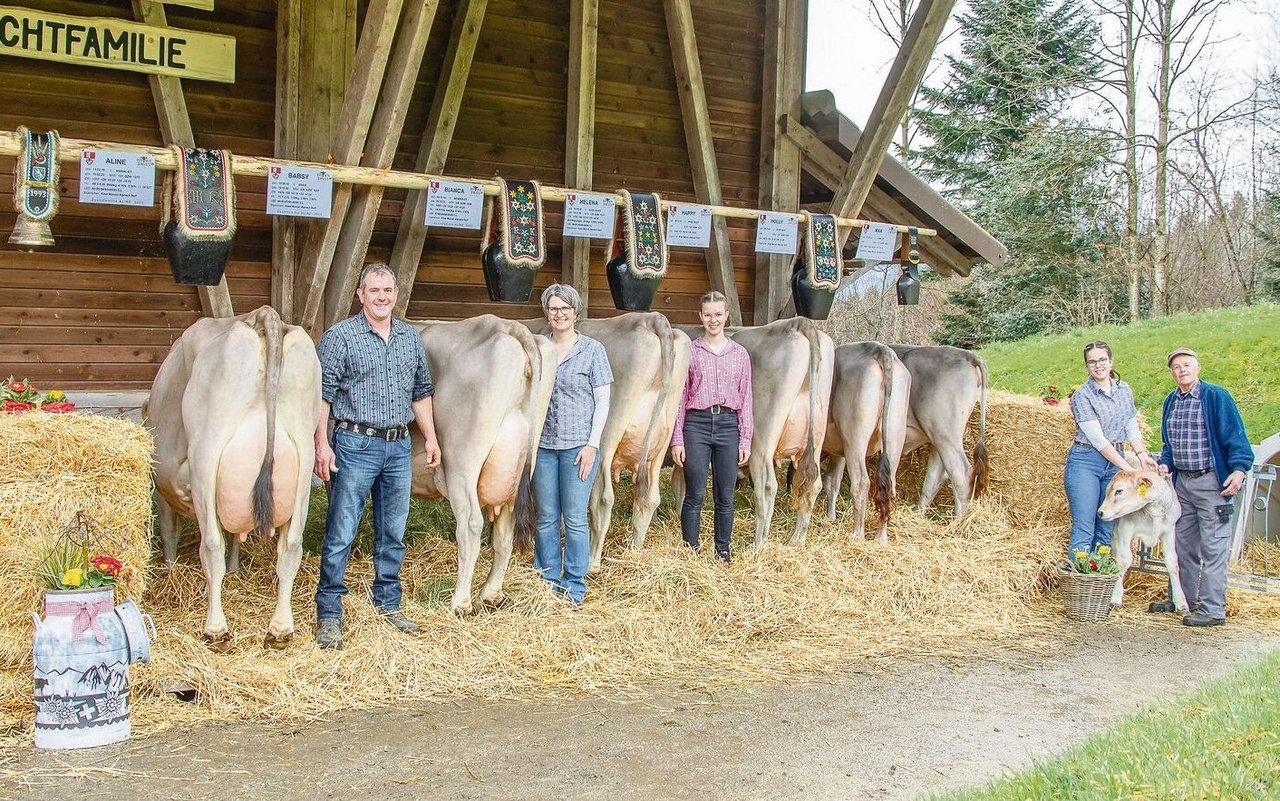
(849, 56)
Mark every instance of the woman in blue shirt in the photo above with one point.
(1106, 418)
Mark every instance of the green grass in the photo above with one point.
(1222, 741)
(1239, 348)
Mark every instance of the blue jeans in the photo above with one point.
(1085, 478)
(562, 498)
(366, 466)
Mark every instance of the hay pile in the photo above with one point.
(53, 466)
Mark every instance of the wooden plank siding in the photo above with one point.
(99, 309)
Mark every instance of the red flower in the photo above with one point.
(1093, 564)
(17, 387)
(1050, 401)
(106, 565)
(59, 407)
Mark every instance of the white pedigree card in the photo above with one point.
(454, 204)
(877, 242)
(589, 214)
(688, 225)
(299, 191)
(776, 232)
(117, 178)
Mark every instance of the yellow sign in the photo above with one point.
(117, 44)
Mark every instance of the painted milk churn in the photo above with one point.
(81, 652)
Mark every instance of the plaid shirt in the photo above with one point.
(718, 379)
(369, 381)
(1187, 436)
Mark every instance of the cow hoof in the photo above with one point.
(496, 602)
(219, 642)
(462, 611)
(277, 642)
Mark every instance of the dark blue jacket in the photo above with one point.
(1228, 442)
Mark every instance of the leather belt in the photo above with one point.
(1194, 473)
(716, 409)
(1119, 446)
(387, 434)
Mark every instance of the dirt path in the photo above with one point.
(896, 732)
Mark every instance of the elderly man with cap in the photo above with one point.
(1207, 453)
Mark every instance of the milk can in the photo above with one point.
(81, 653)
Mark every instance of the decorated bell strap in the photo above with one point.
(35, 181)
(517, 225)
(200, 196)
(643, 235)
(821, 251)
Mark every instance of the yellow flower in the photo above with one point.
(73, 577)
(1081, 554)
(55, 395)
(1103, 550)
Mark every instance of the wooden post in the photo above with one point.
(380, 24)
(437, 136)
(175, 127)
(289, 34)
(380, 151)
(701, 145)
(580, 134)
(899, 86)
(779, 156)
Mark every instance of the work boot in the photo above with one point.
(404, 624)
(1160, 607)
(1200, 619)
(329, 633)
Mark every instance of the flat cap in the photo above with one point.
(1181, 352)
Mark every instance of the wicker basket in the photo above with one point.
(1087, 595)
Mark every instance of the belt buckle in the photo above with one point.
(715, 409)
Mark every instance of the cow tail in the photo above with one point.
(807, 472)
(525, 516)
(979, 476)
(271, 328)
(661, 328)
(882, 478)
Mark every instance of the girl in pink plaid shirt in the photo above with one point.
(713, 424)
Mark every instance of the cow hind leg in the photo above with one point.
(933, 475)
(233, 555)
(601, 507)
(503, 538)
(213, 560)
(804, 514)
(167, 525)
(831, 484)
(957, 467)
(288, 558)
(764, 483)
(859, 487)
(644, 506)
(468, 533)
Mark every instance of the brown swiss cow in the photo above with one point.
(493, 382)
(869, 399)
(234, 409)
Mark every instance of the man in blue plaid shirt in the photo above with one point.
(1207, 453)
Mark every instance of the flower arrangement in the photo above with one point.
(68, 566)
(19, 395)
(1052, 396)
(1099, 560)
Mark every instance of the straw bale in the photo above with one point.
(53, 466)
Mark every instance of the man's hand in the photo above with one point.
(744, 456)
(677, 455)
(326, 461)
(432, 450)
(1147, 463)
(1233, 484)
(585, 458)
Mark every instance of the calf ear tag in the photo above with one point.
(1142, 490)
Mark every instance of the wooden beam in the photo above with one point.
(437, 136)
(899, 87)
(380, 23)
(779, 156)
(580, 134)
(380, 151)
(175, 128)
(701, 144)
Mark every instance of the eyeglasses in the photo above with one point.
(1098, 362)
(559, 311)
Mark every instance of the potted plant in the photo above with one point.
(1087, 580)
(20, 395)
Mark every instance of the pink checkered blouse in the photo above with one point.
(722, 379)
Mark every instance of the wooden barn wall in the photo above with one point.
(99, 310)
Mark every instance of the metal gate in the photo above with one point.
(1255, 543)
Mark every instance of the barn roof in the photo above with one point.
(827, 138)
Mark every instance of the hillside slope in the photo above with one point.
(1239, 348)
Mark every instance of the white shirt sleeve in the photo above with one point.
(600, 414)
(1093, 430)
(1133, 435)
